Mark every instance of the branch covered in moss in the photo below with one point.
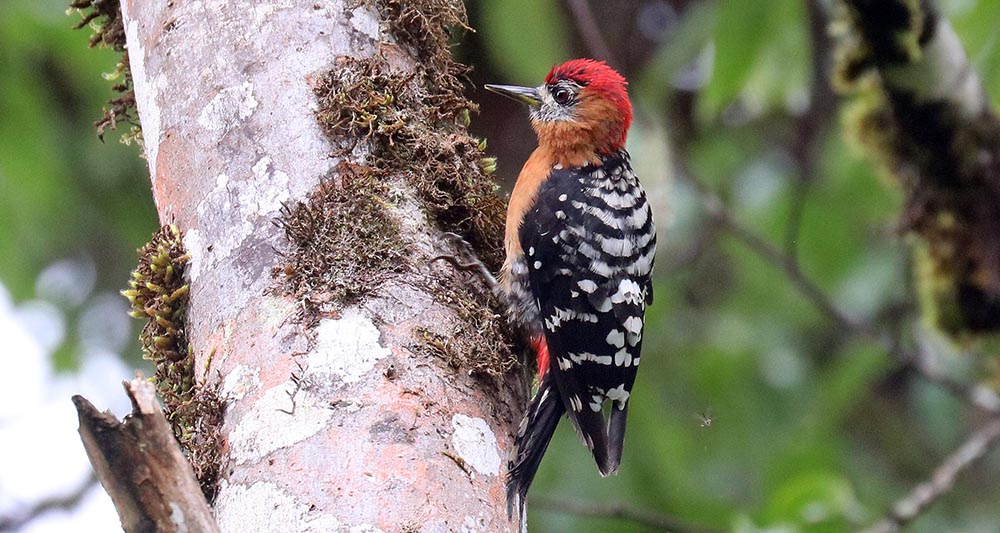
(920, 110)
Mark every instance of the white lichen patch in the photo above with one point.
(364, 21)
(476, 444)
(228, 108)
(239, 381)
(260, 13)
(196, 251)
(473, 525)
(219, 203)
(264, 172)
(240, 206)
(277, 420)
(145, 91)
(364, 528)
(177, 518)
(322, 524)
(265, 507)
(346, 349)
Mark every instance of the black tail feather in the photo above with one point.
(605, 439)
(532, 439)
(592, 429)
(616, 436)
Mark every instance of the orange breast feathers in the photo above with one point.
(535, 171)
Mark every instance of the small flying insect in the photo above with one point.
(706, 418)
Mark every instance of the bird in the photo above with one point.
(579, 242)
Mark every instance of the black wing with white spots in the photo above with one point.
(589, 242)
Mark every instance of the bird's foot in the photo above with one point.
(466, 260)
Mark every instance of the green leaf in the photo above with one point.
(757, 44)
(740, 35)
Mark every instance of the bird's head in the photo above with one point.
(581, 112)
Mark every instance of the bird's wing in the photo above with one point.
(589, 244)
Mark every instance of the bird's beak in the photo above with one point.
(527, 95)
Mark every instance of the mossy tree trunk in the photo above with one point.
(348, 409)
(922, 112)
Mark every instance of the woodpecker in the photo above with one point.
(579, 242)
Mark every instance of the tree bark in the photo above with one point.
(339, 421)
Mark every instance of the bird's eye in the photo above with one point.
(562, 95)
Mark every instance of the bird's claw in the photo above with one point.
(471, 261)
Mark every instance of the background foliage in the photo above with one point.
(72, 209)
(755, 409)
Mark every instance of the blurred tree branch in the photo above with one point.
(977, 395)
(810, 125)
(590, 32)
(18, 519)
(942, 479)
(923, 115)
(724, 219)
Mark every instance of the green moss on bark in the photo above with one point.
(409, 129)
(158, 293)
(345, 243)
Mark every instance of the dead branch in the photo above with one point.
(142, 467)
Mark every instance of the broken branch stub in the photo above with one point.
(141, 466)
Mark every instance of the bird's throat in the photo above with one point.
(573, 144)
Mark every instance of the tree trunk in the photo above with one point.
(341, 412)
